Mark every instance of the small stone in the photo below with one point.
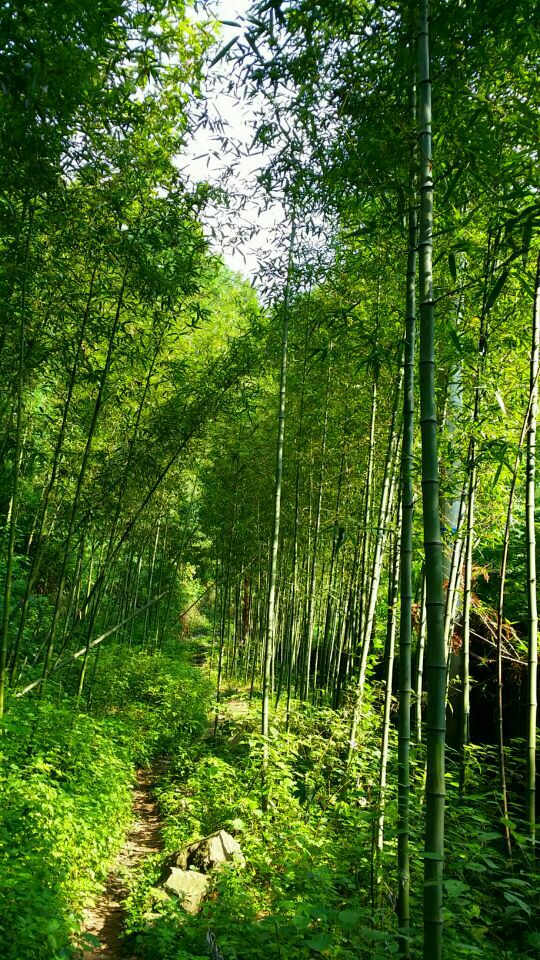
(210, 852)
(189, 886)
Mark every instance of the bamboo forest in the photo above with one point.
(270, 354)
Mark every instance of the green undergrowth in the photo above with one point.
(312, 885)
(65, 797)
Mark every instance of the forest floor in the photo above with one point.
(230, 708)
(105, 919)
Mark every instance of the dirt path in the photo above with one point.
(227, 709)
(105, 919)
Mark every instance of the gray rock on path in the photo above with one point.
(189, 885)
(210, 852)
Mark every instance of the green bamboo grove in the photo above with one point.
(310, 491)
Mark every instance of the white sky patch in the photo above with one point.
(245, 231)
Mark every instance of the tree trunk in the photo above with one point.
(406, 589)
(530, 504)
(436, 653)
(272, 573)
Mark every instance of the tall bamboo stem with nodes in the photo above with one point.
(530, 504)
(272, 572)
(313, 574)
(435, 649)
(393, 581)
(385, 512)
(406, 587)
(12, 529)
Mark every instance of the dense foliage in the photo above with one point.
(329, 473)
(66, 797)
(313, 882)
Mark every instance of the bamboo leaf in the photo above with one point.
(527, 237)
(498, 474)
(526, 285)
(452, 183)
(455, 339)
(496, 289)
(224, 50)
(512, 898)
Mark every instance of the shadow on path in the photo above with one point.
(106, 918)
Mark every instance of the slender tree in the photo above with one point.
(530, 506)
(274, 545)
(14, 503)
(435, 646)
(406, 587)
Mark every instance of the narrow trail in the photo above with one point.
(105, 920)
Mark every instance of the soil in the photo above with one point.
(105, 920)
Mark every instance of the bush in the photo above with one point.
(311, 886)
(64, 806)
(65, 798)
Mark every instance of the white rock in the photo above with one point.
(189, 886)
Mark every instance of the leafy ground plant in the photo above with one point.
(310, 887)
(65, 797)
